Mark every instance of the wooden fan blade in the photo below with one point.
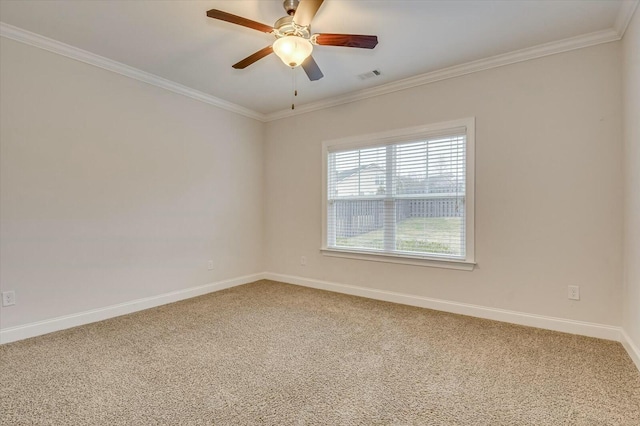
(253, 58)
(312, 69)
(347, 40)
(239, 20)
(305, 12)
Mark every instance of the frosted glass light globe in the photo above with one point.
(293, 50)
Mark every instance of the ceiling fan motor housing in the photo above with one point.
(285, 26)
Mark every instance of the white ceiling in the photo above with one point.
(175, 40)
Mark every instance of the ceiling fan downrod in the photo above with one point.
(290, 6)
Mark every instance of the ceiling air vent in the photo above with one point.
(370, 74)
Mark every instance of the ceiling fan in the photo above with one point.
(294, 41)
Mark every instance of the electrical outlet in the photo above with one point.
(574, 292)
(8, 298)
(303, 261)
(210, 265)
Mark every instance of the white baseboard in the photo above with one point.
(38, 328)
(601, 331)
(550, 323)
(632, 349)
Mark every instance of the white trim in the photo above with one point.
(325, 188)
(552, 48)
(470, 191)
(452, 127)
(632, 349)
(38, 328)
(36, 40)
(600, 331)
(446, 263)
(625, 13)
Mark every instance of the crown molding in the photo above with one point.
(547, 49)
(626, 11)
(36, 40)
(624, 16)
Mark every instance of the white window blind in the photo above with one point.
(402, 197)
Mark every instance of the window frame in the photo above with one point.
(399, 136)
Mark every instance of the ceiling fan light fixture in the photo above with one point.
(293, 50)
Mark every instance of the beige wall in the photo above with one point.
(548, 186)
(114, 190)
(631, 131)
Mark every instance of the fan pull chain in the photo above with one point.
(294, 87)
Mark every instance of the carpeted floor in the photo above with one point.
(277, 354)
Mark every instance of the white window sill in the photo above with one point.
(462, 265)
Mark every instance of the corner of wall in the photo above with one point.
(631, 170)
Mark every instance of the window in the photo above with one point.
(404, 196)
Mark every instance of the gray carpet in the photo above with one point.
(277, 354)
